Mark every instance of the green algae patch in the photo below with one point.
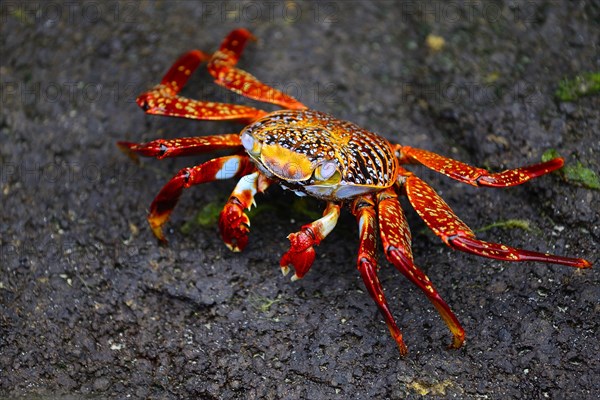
(585, 84)
(575, 173)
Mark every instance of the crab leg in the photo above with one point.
(163, 98)
(363, 209)
(187, 146)
(395, 236)
(475, 176)
(234, 224)
(216, 169)
(301, 254)
(222, 67)
(456, 234)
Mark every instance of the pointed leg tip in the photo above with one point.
(244, 33)
(557, 162)
(457, 342)
(285, 270)
(199, 55)
(402, 348)
(156, 222)
(294, 278)
(232, 247)
(142, 101)
(162, 240)
(397, 336)
(236, 245)
(125, 146)
(584, 263)
(158, 233)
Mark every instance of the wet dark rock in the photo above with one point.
(91, 305)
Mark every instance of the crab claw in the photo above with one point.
(234, 225)
(301, 254)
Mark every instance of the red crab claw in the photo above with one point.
(301, 254)
(234, 225)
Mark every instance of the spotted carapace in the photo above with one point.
(315, 154)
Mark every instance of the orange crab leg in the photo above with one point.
(301, 254)
(475, 176)
(502, 252)
(180, 72)
(216, 169)
(395, 236)
(234, 224)
(163, 98)
(222, 67)
(363, 209)
(187, 146)
(444, 223)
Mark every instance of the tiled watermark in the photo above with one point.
(69, 12)
(50, 13)
(68, 91)
(314, 93)
(62, 172)
(80, 92)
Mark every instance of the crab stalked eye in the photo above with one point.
(327, 172)
(251, 145)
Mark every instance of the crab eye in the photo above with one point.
(327, 171)
(251, 145)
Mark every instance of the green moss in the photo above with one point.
(21, 15)
(509, 224)
(585, 84)
(577, 174)
(207, 216)
(550, 154)
(302, 207)
(262, 303)
(581, 175)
